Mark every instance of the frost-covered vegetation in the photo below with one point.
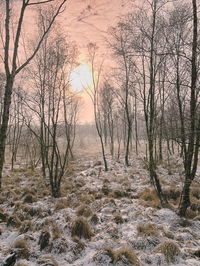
(101, 218)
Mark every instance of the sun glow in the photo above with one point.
(81, 78)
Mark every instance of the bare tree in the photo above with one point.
(10, 57)
(107, 99)
(183, 57)
(122, 49)
(191, 149)
(142, 47)
(94, 94)
(2, 85)
(54, 107)
(150, 95)
(16, 124)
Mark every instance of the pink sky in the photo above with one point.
(85, 21)
(88, 21)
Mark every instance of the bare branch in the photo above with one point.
(42, 38)
(39, 3)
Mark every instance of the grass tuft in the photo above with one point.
(118, 219)
(61, 204)
(14, 221)
(21, 248)
(94, 219)
(150, 198)
(84, 210)
(148, 229)
(81, 228)
(29, 198)
(55, 231)
(169, 249)
(128, 256)
(44, 239)
(25, 227)
(3, 216)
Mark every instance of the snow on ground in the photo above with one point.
(127, 224)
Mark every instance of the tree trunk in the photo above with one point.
(5, 119)
(185, 198)
(190, 161)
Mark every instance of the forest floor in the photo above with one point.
(102, 218)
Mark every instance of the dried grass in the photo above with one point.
(81, 228)
(87, 199)
(84, 210)
(169, 249)
(150, 198)
(55, 231)
(14, 221)
(25, 227)
(48, 260)
(147, 229)
(21, 264)
(127, 255)
(118, 219)
(22, 249)
(195, 192)
(3, 216)
(2, 199)
(61, 204)
(29, 198)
